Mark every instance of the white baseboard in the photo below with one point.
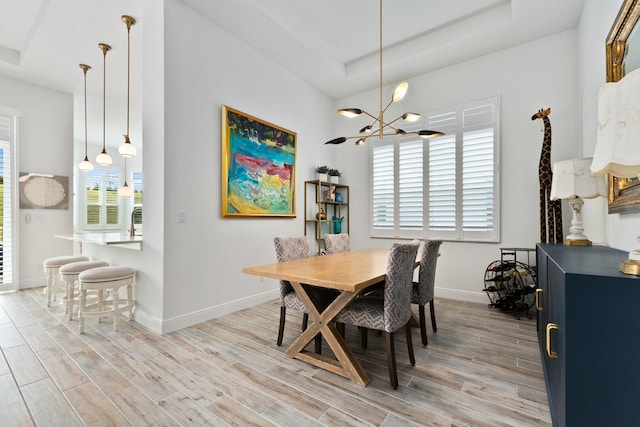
(199, 316)
(150, 322)
(161, 327)
(457, 294)
(33, 283)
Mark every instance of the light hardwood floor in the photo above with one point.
(482, 368)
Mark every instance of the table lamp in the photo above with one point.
(618, 139)
(572, 180)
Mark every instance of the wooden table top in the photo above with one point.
(346, 271)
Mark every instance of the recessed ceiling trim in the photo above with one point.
(495, 16)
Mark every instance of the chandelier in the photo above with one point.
(379, 128)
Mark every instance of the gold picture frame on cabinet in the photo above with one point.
(623, 56)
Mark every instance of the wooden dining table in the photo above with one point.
(347, 272)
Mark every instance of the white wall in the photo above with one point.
(528, 77)
(45, 145)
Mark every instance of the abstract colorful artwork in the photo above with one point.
(258, 167)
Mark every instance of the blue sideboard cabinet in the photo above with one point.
(588, 317)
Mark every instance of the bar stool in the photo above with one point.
(69, 275)
(52, 267)
(101, 279)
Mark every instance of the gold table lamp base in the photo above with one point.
(630, 266)
(577, 242)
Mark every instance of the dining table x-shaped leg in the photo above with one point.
(323, 323)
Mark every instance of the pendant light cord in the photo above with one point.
(128, 72)
(104, 97)
(84, 69)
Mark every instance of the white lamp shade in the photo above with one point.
(618, 139)
(125, 191)
(127, 149)
(103, 159)
(573, 178)
(85, 165)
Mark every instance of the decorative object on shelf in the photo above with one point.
(617, 150)
(330, 194)
(258, 167)
(573, 180)
(103, 158)
(337, 224)
(85, 165)
(378, 121)
(127, 149)
(321, 215)
(550, 210)
(323, 173)
(334, 175)
(339, 197)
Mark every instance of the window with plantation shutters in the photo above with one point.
(445, 187)
(8, 280)
(101, 195)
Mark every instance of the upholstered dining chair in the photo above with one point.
(289, 249)
(391, 312)
(336, 243)
(423, 290)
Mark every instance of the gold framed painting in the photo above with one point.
(258, 167)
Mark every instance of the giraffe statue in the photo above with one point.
(550, 210)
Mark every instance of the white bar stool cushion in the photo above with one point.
(51, 267)
(110, 278)
(106, 274)
(69, 275)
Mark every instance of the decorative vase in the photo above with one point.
(334, 179)
(323, 177)
(337, 224)
(321, 215)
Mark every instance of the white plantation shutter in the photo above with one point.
(383, 187)
(8, 205)
(410, 186)
(101, 195)
(442, 173)
(445, 187)
(477, 168)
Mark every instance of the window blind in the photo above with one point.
(445, 187)
(101, 194)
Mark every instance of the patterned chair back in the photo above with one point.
(427, 273)
(397, 288)
(289, 249)
(335, 243)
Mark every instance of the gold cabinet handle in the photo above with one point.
(538, 292)
(551, 354)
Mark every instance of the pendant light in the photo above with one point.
(125, 190)
(103, 158)
(378, 121)
(85, 165)
(127, 149)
